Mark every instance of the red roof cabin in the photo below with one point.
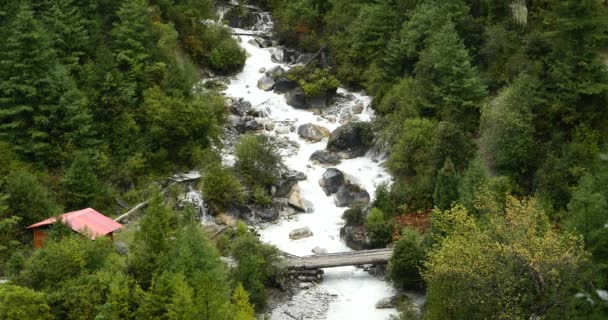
(88, 222)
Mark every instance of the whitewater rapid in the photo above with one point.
(356, 291)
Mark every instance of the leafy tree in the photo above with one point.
(404, 266)
(227, 56)
(446, 186)
(18, 303)
(588, 208)
(472, 180)
(474, 272)
(508, 129)
(28, 198)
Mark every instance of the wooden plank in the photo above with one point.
(341, 259)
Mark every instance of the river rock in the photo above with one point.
(300, 233)
(389, 302)
(355, 237)
(263, 42)
(285, 186)
(282, 130)
(253, 125)
(276, 72)
(277, 55)
(349, 140)
(241, 107)
(358, 108)
(295, 199)
(241, 17)
(331, 181)
(351, 195)
(325, 158)
(268, 214)
(262, 70)
(312, 132)
(266, 83)
(319, 250)
(284, 85)
(296, 98)
(350, 97)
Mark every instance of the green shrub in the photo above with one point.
(258, 160)
(354, 216)
(380, 229)
(404, 265)
(261, 196)
(314, 82)
(227, 56)
(220, 186)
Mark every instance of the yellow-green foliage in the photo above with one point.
(314, 82)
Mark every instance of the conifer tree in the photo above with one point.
(240, 300)
(446, 186)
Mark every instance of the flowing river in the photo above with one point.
(355, 291)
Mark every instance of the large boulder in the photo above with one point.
(284, 55)
(312, 132)
(263, 42)
(351, 195)
(295, 199)
(276, 72)
(266, 83)
(296, 98)
(355, 237)
(325, 158)
(268, 214)
(285, 186)
(300, 233)
(241, 17)
(284, 85)
(350, 140)
(332, 180)
(241, 107)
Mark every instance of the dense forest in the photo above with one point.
(493, 115)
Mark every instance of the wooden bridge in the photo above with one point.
(340, 259)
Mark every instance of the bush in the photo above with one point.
(314, 82)
(22, 303)
(261, 196)
(228, 56)
(380, 229)
(220, 186)
(404, 266)
(258, 160)
(354, 216)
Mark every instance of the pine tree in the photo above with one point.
(80, 182)
(446, 186)
(240, 300)
(42, 114)
(455, 87)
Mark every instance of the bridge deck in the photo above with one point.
(340, 259)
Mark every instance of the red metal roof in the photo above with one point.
(87, 222)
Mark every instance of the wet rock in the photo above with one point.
(350, 140)
(285, 186)
(253, 125)
(276, 72)
(319, 102)
(350, 97)
(241, 17)
(282, 130)
(319, 250)
(262, 70)
(215, 84)
(332, 180)
(355, 237)
(277, 55)
(330, 117)
(325, 158)
(284, 55)
(234, 120)
(253, 43)
(358, 108)
(295, 199)
(268, 214)
(284, 85)
(299, 175)
(300, 233)
(351, 195)
(389, 302)
(312, 132)
(266, 83)
(296, 98)
(239, 212)
(263, 42)
(241, 108)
